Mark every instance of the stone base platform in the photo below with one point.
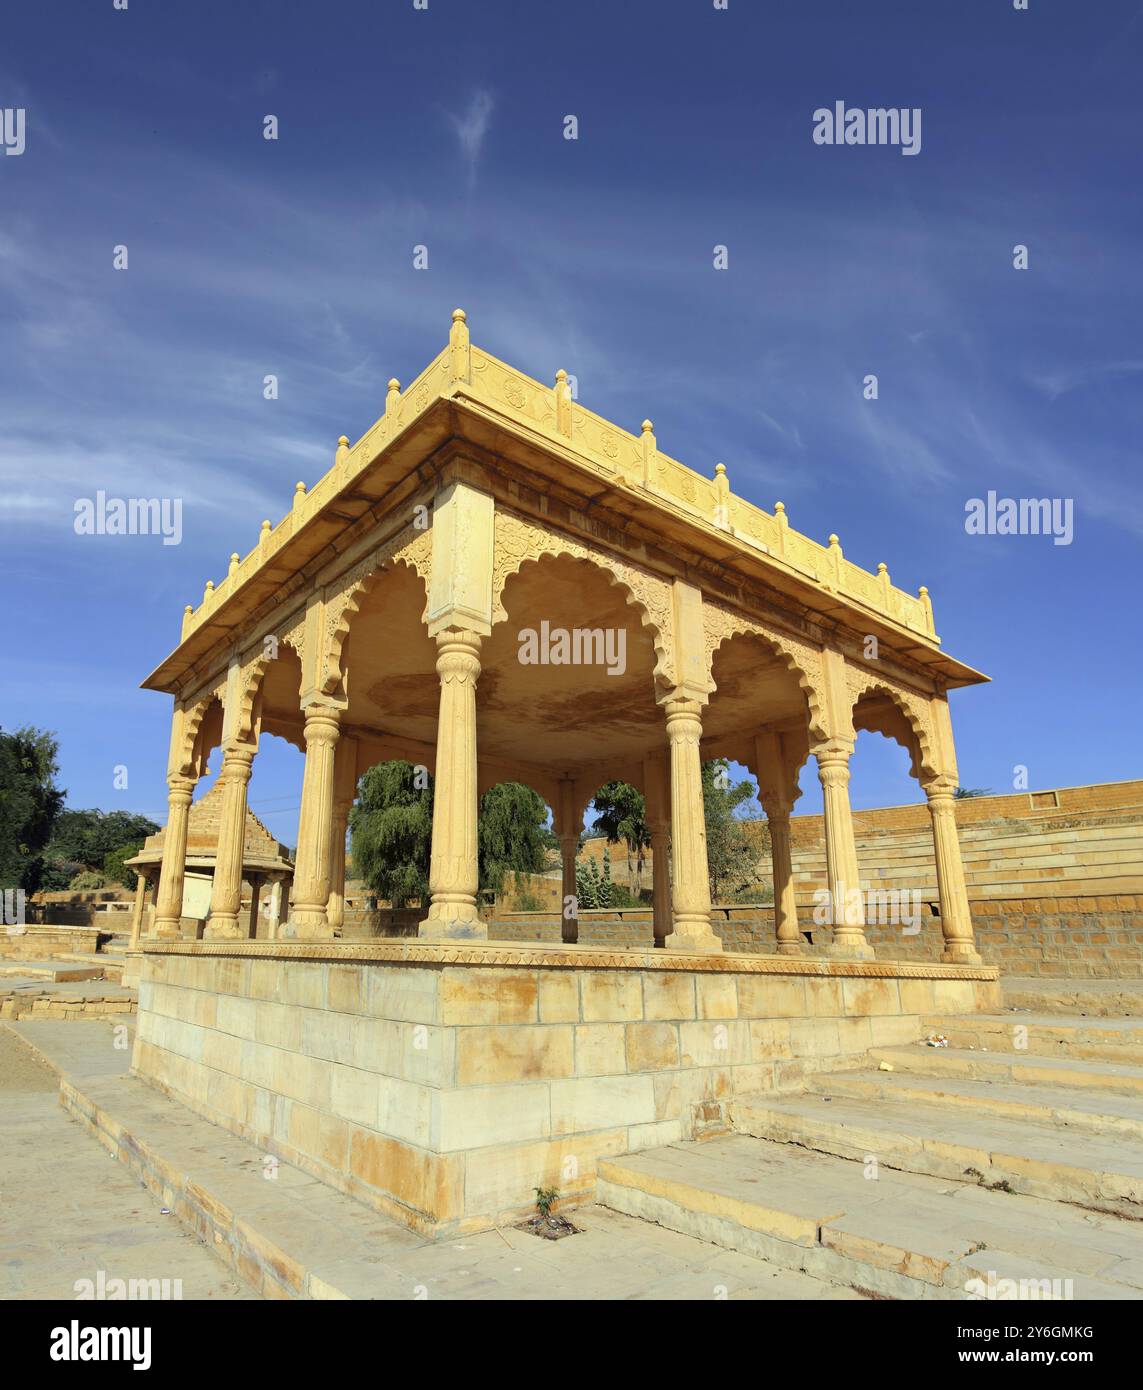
(442, 1083)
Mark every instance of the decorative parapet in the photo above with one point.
(635, 461)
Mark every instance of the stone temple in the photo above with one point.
(442, 1078)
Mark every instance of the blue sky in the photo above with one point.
(444, 127)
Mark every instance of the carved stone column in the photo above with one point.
(569, 925)
(335, 907)
(787, 934)
(660, 832)
(454, 868)
(308, 919)
(226, 891)
(137, 912)
(956, 920)
(169, 906)
(690, 899)
(847, 911)
(255, 894)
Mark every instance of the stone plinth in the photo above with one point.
(443, 1083)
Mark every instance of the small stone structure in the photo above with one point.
(264, 863)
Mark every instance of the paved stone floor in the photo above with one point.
(69, 1209)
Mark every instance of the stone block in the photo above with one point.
(504, 1179)
(917, 996)
(471, 996)
(716, 996)
(485, 1056)
(483, 1115)
(714, 1043)
(668, 994)
(601, 1102)
(653, 1046)
(426, 1182)
(611, 996)
(863, 997)
(814, 1037)
(318, 1135)
(559, 996)
(769, 1039)
(600, 1049)
(771, 996)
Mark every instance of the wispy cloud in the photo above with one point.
(471, 128)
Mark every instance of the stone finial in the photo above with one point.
(393, 398)
(299, 494)
(721, 496)
(264, 533)
(459, 347)
(650, 448)
(563, 404)
(342, 451)
(884, 580)
(836, 556)
(233, 563)
(208, 591)
(188, 616)
(927, 605)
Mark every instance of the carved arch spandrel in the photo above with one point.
(412, 547)
(721, 623)
(913, 706)
(517, 541)
(197, 734)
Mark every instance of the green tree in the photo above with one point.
(82, 841)
(30, 804)
(115, 870)
(621, 815)
(730, 856)
(391, 830)
(511, 834)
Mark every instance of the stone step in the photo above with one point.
(902, 1236)
(1091, 998)
(946, 1142)
(1022, 1068)
(1059, 1107)
(49, 970)
(294, 1237)
(1045, 1035)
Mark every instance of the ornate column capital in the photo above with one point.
(833, 751)
(458, 656)
(180, 789)
(940, 789)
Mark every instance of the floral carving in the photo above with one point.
(721, 623)
(914, 706)
(517, 541)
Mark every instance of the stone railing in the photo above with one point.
(637, 461)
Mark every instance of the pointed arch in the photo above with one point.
(518, 542)
(721, 623)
